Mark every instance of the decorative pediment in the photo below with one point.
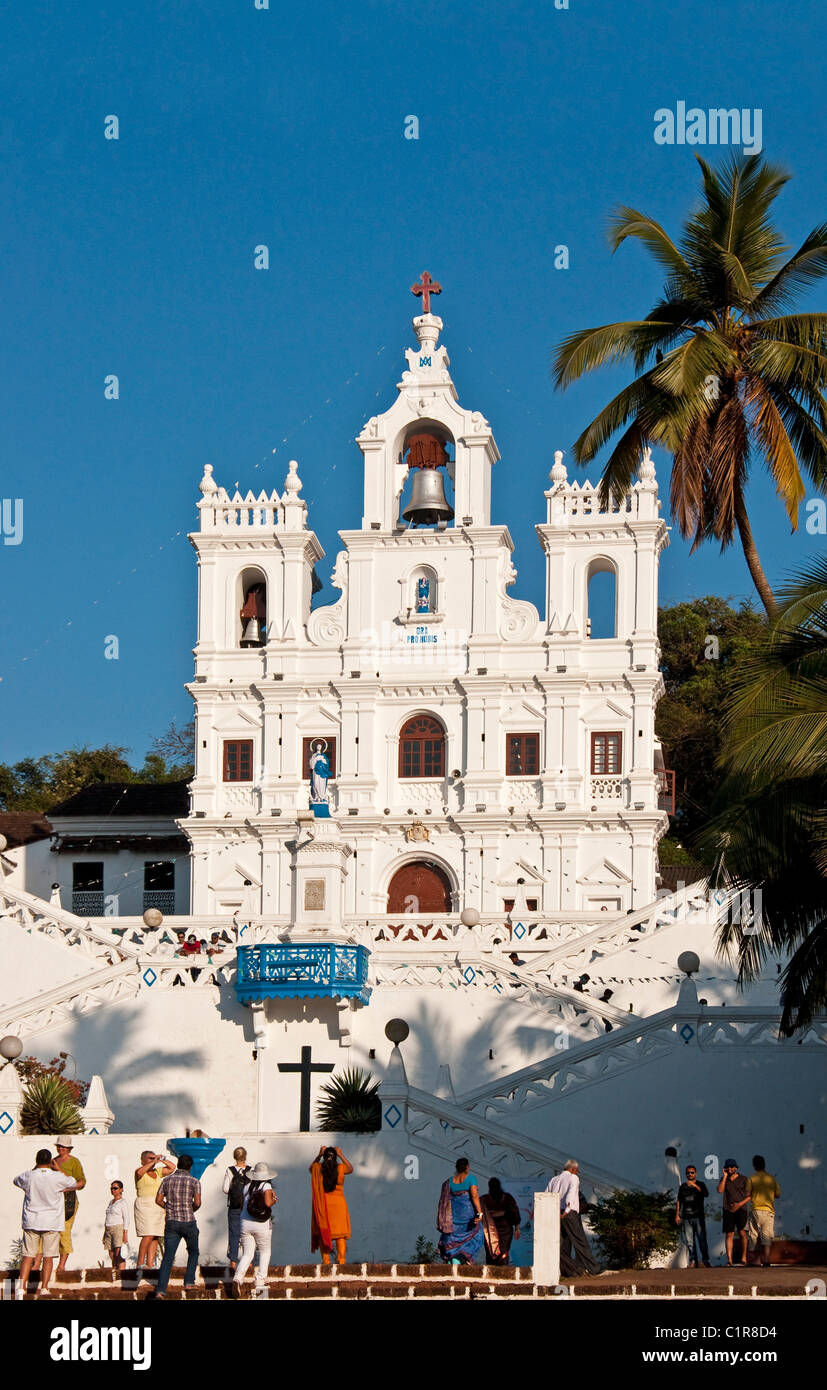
(606, 709)
(604, 872)
(515, 715)
(309, 719)
(233, 878)
(229, 722)
(519, 869)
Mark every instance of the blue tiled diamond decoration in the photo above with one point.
(519, 931)
(498, 989)
(392, 1116)
(6, 1122)
(93, 1131)
(469, 975)
(687, 1032)
(149, 976)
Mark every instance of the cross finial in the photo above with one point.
(426, 289)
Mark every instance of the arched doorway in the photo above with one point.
(419, 889)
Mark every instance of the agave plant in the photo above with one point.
(350, 1103)
(49, 1108)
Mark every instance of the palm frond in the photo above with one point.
(803, 269)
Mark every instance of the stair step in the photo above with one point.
(404, 1281)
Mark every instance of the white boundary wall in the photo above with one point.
(387, 1210)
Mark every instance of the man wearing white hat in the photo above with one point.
(256, 1227)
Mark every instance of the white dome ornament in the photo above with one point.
(293, 483)
(646, 471)
(207, 484)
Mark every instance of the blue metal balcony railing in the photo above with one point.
(317, 971)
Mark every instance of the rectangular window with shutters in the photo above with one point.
(238, 760)
(606, 751)
(522, 755)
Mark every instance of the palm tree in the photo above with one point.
(723, 371)
(771, 833)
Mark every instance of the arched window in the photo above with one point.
(422, 748)
(601, 599)
(422, 590)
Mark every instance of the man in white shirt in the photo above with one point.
(580, 1259)
(43, 1216)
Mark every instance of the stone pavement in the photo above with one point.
(411, 1281)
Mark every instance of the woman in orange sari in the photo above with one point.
(330, 1220)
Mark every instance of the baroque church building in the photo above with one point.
(421, 840)
(475, 745)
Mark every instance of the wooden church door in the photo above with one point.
(419, 887)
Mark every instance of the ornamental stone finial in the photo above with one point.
(293, 482)
(646, 470)
(208, 483)
(558, 473)
(427, 329)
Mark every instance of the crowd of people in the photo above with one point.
(473, 1229)
(748, 1212)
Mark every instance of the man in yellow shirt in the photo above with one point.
(763, 1190)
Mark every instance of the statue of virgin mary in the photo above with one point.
(319, 771)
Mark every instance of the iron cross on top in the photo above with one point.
(426, 289)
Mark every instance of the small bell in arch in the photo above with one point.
(254, 616)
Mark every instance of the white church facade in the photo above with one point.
(475, 742)
(427, 803)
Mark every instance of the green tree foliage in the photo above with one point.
(35, 784)
(30, 1069)
(350, 1104)
(631, 1227)
(770, 827)
(172, 758)
(704, 644)
(725, 375)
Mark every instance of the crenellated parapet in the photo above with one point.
(221, 513)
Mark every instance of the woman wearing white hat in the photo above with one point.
(256, 1227)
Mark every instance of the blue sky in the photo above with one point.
(286, 127)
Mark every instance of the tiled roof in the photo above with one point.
(23, 827)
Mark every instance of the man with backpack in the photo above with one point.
(235, 1180)
(256, 1227)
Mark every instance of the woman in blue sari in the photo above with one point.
(459, 1218)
